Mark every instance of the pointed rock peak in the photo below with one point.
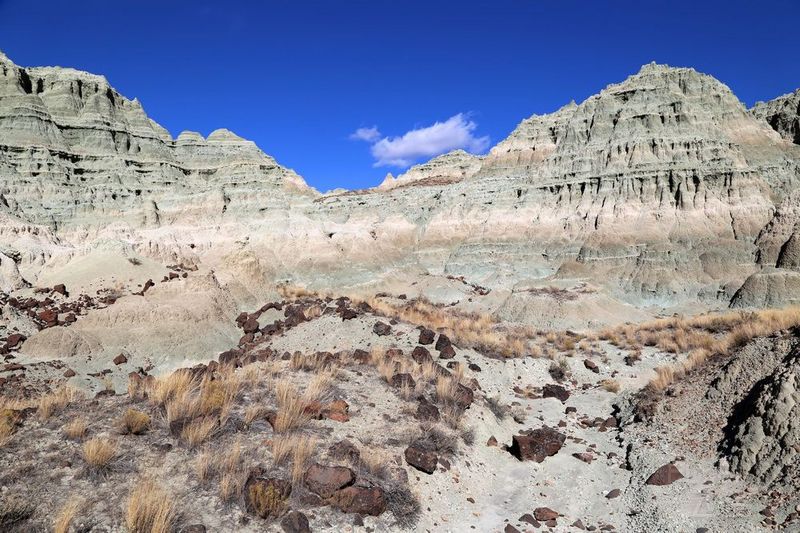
(388, 182)
(4, 58)
(224, 135)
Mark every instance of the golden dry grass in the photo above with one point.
(66, 515)
(204, 466)
(150, 509)
(298, 447)
(76, 428)
(51, 403)
(291, 408)
(319, 385)
(134, 422)
(199, 431)
(610, 385)
(6, 431)
(446, 389)
(99, 452)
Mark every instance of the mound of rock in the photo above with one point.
(764, 438)
(772, 287)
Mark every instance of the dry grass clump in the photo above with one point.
(99, 452)
(610, 385)
(76, 428)
(134, 422)
(199, 431)
(51, 403)
(319, 386)
(474, 330)
(299, 447)
(204, 466)
(446, 389)
(176, 386)
(292, 412)
(66, 515)
(150, 509)
(6, 431)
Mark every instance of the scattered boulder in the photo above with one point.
(665, 475)
(426, 336)
(421, 355)
(552, 390)
(613, 493)
(70, 373)
(361, 498)
(402, 380)
(591, 365)
(15, 339)
(448, 352)
(537, 444)
(250, 325)
(443, 341)
(326, 480)
(61, 289)
(543, 514)
(381, 329)
(421, 459)
(295, 522)
(584, 456)
(120, 359)
(427, 411)
(344, 450)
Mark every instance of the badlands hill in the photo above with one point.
(195, 340)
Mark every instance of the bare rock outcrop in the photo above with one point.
(783, 114)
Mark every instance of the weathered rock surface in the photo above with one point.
(783, 114)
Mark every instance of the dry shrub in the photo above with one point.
(134, 422)
(99, 452)
(610, 385)
(291, 408)
(50, 404)
(473, 330)
(303, 450)
(386, 368)
(66, 515)
(76, 428)
(199, 430)
(375, 461)
(204, 466)
(319, 385)
(231, 485)
(6, 431)
(176, 386)
(253, 413)
(446, 389)
(150, 509)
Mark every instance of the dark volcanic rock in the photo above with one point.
(443, 341)
(361, 498)
(665, 475)
(448, 352)
(400, 380)
(426, 336)
(381, 329)
(325, 480)
(555, 391)
(537, 444)
(423, 460)
(421, 355)
(295, 522)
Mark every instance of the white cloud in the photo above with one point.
(366, 134)
(403, 151)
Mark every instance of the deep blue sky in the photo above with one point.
(298, 77)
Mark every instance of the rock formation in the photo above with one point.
(663, 188)
(783, 114)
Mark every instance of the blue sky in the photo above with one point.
(345, 91)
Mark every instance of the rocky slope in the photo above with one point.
(783, 114)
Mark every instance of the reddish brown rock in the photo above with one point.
(555, 391)
(464, 397)
(361, 499)
(337, 410)
(426, 336)
(15, 339)
(402, 380)
(325, 480)
(584, 456)
(381, 329)
(421, 355)
(422, 460)
(537, 444)
(492, 441)
(295, 522)
(427, 411)
(61, 289)
(543, 514)
(70, 373)
(447, 352)
(613, 493)
(591, 365)
(443, 341)
(250, 325)
(665, 475)
(120, 359)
